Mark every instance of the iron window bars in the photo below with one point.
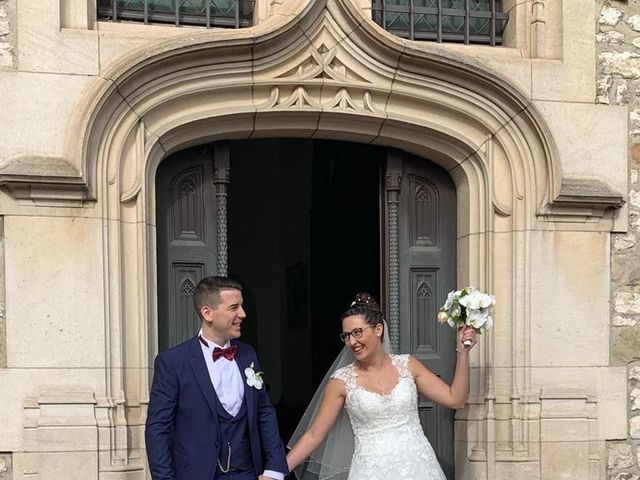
(207, 13)
(468, 21)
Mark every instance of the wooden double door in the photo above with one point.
(304, 225)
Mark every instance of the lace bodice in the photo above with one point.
(389, 441)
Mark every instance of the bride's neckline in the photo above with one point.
(354, 368)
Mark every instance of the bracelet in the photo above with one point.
(462, 351)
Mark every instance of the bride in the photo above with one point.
(382, 438)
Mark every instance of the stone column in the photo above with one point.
(221, 178)
(393, 182)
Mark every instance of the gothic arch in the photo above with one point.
(322, 66)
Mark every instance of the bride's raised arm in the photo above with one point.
(431, 386)
(332, 403)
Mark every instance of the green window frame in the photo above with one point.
(207, 13)
(463, 21)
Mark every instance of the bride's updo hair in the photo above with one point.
(366, 306)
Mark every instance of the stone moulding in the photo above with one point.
(44, 179)
(571, 410)
(582, 197)
(342, 101)
(88, 424)
(336, 60)
(338, 63)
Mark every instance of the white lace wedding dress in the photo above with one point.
(389, 441)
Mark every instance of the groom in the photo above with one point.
(205, 420)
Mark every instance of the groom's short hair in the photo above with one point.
(209, 288)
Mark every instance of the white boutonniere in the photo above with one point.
(254, 379)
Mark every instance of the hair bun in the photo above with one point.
(364, 299)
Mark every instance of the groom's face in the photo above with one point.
(225, 319)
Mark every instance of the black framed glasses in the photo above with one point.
(356, 332)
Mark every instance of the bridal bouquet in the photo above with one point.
(468, 307)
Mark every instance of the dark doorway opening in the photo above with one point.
(304, 238)
(304, 235)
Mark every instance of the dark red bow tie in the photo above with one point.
(227, 353)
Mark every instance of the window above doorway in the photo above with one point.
(463, 21)
(205, 13)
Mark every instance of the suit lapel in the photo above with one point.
(199, 367)
(243, 361)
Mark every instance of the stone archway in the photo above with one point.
(325, 73)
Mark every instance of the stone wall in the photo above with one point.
(618, 82)
(5, 466)
(6, 49)
(3, 322)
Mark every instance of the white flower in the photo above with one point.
(468, 306)
(477, 300)
(479, 318)
(254, 379)
(452, 297)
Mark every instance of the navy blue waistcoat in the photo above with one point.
(234, 434)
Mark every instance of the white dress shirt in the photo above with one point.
(227, 382)
(225, 377)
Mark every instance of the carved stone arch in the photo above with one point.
(334, 61)
(324, 72)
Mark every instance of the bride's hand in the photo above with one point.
(466, 333)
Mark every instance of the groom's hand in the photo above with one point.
(264, 477)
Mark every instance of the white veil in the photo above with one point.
(332, 459)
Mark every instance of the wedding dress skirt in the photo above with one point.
(389, 441)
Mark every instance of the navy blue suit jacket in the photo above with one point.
(182, 433)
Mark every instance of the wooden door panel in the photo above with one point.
(184, 321)
(423, 335)
(424, 211)
(186, 239)
(187, 206)
(427, 251)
